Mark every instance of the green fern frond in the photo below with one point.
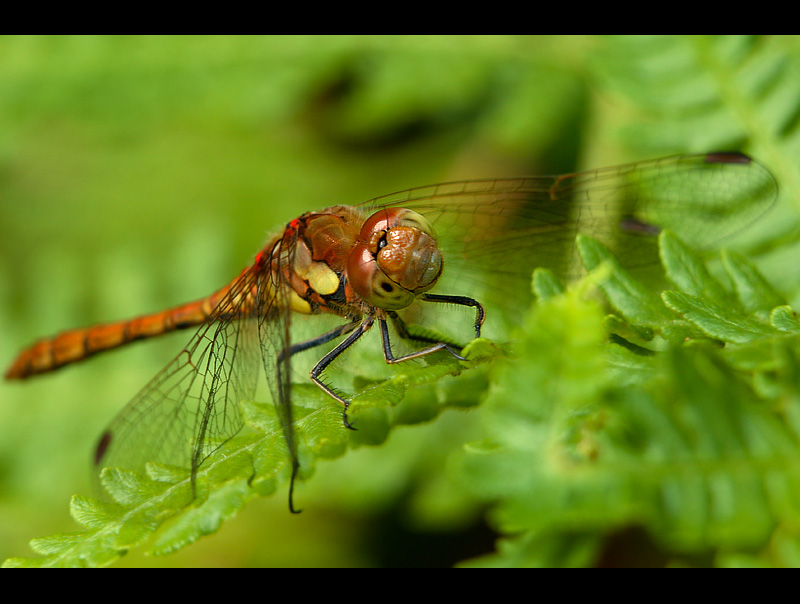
(714, 92)
(167, 504)
(679, 439)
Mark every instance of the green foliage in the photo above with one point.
(687, 447)
(255, 464)
(712, 92)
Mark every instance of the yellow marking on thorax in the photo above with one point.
(297, 304)
(322, 279)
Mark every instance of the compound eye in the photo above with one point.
(389, 218)
(371, 283)
(395, 260)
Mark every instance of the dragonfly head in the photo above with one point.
(396, 259)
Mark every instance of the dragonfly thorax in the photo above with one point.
(396, 259)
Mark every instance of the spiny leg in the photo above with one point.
(319, 340)
(404, 332)
(329, 358)
(284, 395)
(365, 325)
(461, 301)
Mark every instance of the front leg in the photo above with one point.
(328, 359)
(404, 333)
(480, 313)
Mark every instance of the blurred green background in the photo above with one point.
(137, 173)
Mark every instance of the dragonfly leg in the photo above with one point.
(462, 301)
(319, 340)
(313, 342)
(284, 396)
(328, 359)
(402, 330)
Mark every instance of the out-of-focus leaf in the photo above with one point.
(676, 440)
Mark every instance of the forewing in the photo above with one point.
(193, 405)
(507, 227)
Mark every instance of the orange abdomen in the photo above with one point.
(77, 344)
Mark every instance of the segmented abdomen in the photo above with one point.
(77, 344)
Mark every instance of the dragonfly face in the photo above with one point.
(396, 259)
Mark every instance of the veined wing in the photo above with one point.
(192, 406)
(274, 320)
(510, 226)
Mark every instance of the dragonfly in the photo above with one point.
(369, 265)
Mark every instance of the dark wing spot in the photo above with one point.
(102, 446)
(727, 157)
(634, 225)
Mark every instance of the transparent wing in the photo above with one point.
(508, 227)
(192, 406)
(274, 312)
